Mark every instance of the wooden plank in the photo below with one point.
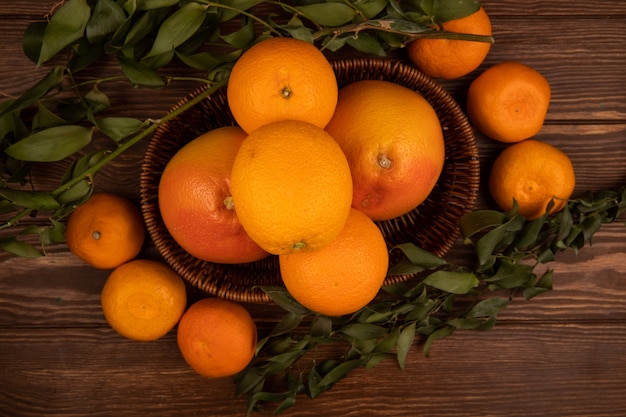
(536, 370)
(587, 287)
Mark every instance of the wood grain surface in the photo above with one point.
(560, 354)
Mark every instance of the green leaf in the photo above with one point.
(446, 10)
(66, 26)
(544, 284)
(206, 60)
(480, 220)
(421, 257)
(52, 80)
(53, 144)
(281, 297)
(370, 8)
(328, 14)
(32, 39)
(76, 192)
(363, 331)
(512, 275)
(144, 25)
(46, 117)
(366, 43)
(118, 128)
(248, 380)
(528, 236)
(53, 234)
(405, 341)
(489, 307)
(34, 200)
(321, 326)
(242, 37)
(437, 334)
(154, 4)
(106, 17)
(452, 282)
(178, 27)
(19, 248)
(487, 244)
(139, 74)
(335, 374)
(297, 30)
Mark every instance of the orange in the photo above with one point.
(345, 275)
(509, 102)
(282, 78)
(106, 231)
(291, 187)
(394, 143)
(217, 337)
(532, 173)
(448, 58)
(195, 199)
(143, 299)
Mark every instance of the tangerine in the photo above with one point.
(345, 275)
(451, 58)
(533, 173)
(143, 299)
(106, 231)
(291, 187)
(394, 144)
(217, 337)
(281, 78)
(195, 199)
(509, 101)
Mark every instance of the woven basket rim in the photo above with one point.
(454, 195)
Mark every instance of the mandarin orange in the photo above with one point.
(217, 337)
(509, 101)
(106, 231)
(143, 299)
(449, 58)
(533, 173)
(281, 78)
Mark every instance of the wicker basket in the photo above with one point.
(433, 225)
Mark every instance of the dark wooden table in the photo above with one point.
(561, 354)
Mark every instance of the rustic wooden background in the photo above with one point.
(561, 354)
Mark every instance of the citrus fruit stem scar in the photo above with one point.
(298, 245)
(229, 203)
(96, 235)
(384, 161)
(285, 92)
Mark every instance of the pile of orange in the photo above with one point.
(304, 176)
(305, 155)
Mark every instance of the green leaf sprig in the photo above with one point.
(441, 299)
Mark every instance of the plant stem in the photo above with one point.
(137, 138)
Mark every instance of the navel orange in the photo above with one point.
(394, 144)
(345, 275)
(291, 187)
(281, 78)
(217, 337)
(106, 231)
(533, 173)
(195, 199)
(143, 299)
(449, 58)
(509, 101)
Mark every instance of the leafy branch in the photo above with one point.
(441, 299)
